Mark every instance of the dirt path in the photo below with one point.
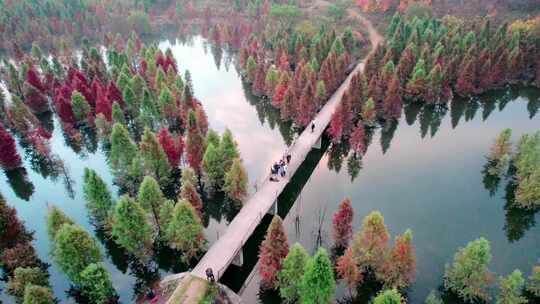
(195, 293)
(374, 37)
(191, 290)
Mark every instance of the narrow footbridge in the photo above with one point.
(223, 251)
(228, 248)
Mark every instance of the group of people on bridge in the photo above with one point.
(280, 168)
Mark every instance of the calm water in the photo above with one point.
(431, 184)
(221, 91)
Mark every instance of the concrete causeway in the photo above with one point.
(222, 253)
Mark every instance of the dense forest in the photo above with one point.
(431, 61)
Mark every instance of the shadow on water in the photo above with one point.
(235, 277)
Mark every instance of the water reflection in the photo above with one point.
(20, 183)
(491, 181)
(517, 220)
(427, 172)
(268, 113)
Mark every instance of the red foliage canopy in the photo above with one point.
(22, 254)
(273, 250)
(32, 78)
(172, 146)
(348, 271)
(114, 94)
(9, 157)
(62, 103)
(342, 222)
(103, 103)
(358, 141)
(12, 230)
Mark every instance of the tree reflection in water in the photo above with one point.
(20, 183)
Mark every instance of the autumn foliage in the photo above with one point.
(272, 251)
(342, 223)
(173, 147)
(9, 157)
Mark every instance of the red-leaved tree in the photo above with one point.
(342, 222)
(103, 103)
(9, 157)
(194, 144)
(347, 270)
(33, 78)
(400, 267)
(273, 250)
(306, 105)
(393, 102)
(22, 254)
(114, 94)
(358, 139)
(466, 79)
(172, 145)
(336, 126)
(36, 101)
(13, 230)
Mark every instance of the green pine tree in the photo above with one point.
(73, 250)
(236, 182)
(167, 104)
(38, 295)
(165, 213)
(389, 296)
(510, 289)
(97, 196)
(213, 167)
(318, 284)
(149, 110)
(290, 276)
(468, 276)
(433, 298)
(55, 219)
(151, 198)
(138, 84)
(96, 284)
(130, 228)
(123, 150)
(534, 281)
(228, 149)
(250, 68)
(23, 276)
(212, 137)
(160, 83)
(185, 231)
(155, 162)
(131, 100)
(123, 80)
(80, 106)
(337, 47)
(118, 114)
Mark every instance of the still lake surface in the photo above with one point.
(429, 178)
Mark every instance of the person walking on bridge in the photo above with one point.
(313, 125)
